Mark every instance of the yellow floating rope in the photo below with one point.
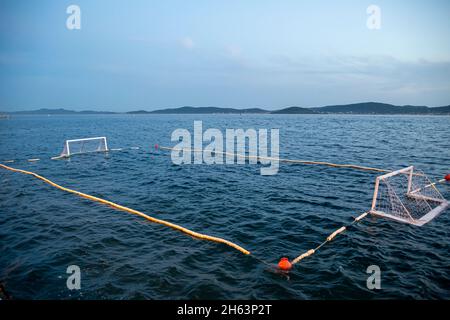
(334, 234)
(329, 238)
(328, 164)
(126, 209)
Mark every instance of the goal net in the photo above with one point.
(86, 145)
(407, 195)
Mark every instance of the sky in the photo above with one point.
(132, 55)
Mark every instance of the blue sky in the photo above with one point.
(133, 55)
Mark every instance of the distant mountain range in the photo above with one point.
(381, 108)
(356, 108)
(294, 110)
(197, 110)
(58, 111)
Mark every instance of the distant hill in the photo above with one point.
(294, 110)
(440, 110)
(138, 112)
(380, 108)
(45, 111)
(208, 110)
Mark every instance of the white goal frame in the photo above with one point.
(68, 142)
(409, 171)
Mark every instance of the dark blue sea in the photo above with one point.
(43, 230)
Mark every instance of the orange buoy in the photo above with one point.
(447, 177)
(156, 146)
(284, 264)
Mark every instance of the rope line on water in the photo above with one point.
(328, 239)
(129, 210)
(60, 157)
(323, 163)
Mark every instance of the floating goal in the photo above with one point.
(86, 145)
(408, 196)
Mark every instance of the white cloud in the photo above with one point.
(187, 43)
(234, 51)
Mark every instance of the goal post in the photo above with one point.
(85, 145)
(407, 195)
